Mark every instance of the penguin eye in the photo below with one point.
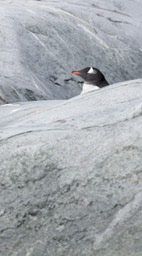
(92, 71)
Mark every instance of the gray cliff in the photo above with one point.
(41, 42)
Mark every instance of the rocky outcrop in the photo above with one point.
(41, 42)
(70, 170)
(70, 175)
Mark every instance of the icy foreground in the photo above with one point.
(70, 175)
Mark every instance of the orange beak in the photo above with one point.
(76, 72)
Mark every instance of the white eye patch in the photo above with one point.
(92, 71)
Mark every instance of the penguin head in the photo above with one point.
(90, 74)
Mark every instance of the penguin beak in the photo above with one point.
(76, 72)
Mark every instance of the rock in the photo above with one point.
(70, 175)
(43, 41)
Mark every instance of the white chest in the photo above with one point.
(89, 87)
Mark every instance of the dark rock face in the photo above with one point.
(70, 175)
(41, 42)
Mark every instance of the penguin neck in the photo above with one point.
(87, 87)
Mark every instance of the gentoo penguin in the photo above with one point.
(93, 77)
